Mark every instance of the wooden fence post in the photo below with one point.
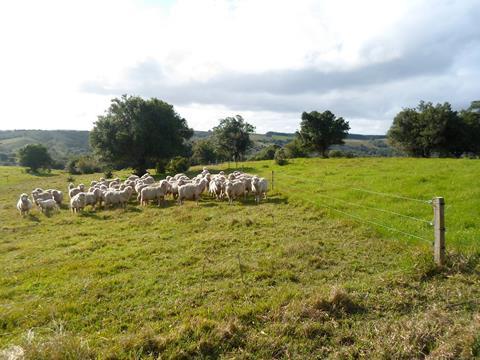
(439, 230)
(272, 178)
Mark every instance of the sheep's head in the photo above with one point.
(81, 187)
(24, 197)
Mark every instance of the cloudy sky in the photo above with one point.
(61, 62)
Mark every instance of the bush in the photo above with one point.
(280, 157)
(83, 165)
(108, 173)
(35, 157)
(160, 167)
(177, 165)
(71, 167)
(267, 153)
(88, 165)
(341, 154)
(295, 149)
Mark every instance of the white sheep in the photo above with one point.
(121, 197)
(234, 189)
(47, 205)
(216, 188)
(24, 205)
(148, 180)
(191, 191)
(77, 203)
(93, 197)
(57, 195)
(36, 196)
(259, 188)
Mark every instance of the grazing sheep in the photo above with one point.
(24, 205)
(93, 197)
(73, 191)
(148, 180)
(174, 185)
(234, 189)
(133, 177)
(36, 196)
(121, 197)
(57, 195)
(216, 188)
(77, 203)
(47, 205)
(259, 188)
(191, 191)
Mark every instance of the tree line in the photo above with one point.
(142, 134)
(429, 130)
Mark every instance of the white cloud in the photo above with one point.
(215, 58)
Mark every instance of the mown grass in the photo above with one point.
(284, 279)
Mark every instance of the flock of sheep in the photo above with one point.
(113, 192)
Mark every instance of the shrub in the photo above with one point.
(71, 167)
(88, 165)
(280, 157)
(34, 157)
(83, 165)
(267, 153)
(108, 172)
(177, 165)
(160, 166)
(340, 153)
(295, 149)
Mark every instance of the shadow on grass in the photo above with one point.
(277, 200)
(93, 215)
(34, 218)
(133, 209)
(456, 263)
(41, 174)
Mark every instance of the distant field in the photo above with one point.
(289, 278)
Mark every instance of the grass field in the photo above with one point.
(289, 278)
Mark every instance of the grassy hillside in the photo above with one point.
(62, 144)
(288, 278)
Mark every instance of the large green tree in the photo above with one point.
(35, 157)
(203, 152)
(232, 137)
(320, 130)
(428, 129)
(139, 133)
(470, 120)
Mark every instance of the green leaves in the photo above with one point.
(232, 137)
(438, 129)
(138, 133)
(34, 156)
(318, 131)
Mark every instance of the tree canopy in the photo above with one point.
(138, 133)
(319, 131)
(204, 152)
(435, 129)
(232, 137)
(35, 157)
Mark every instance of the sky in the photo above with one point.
(61, 62)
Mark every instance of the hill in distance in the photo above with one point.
(65, 144)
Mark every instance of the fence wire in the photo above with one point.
(360, 219)
(396, 196)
